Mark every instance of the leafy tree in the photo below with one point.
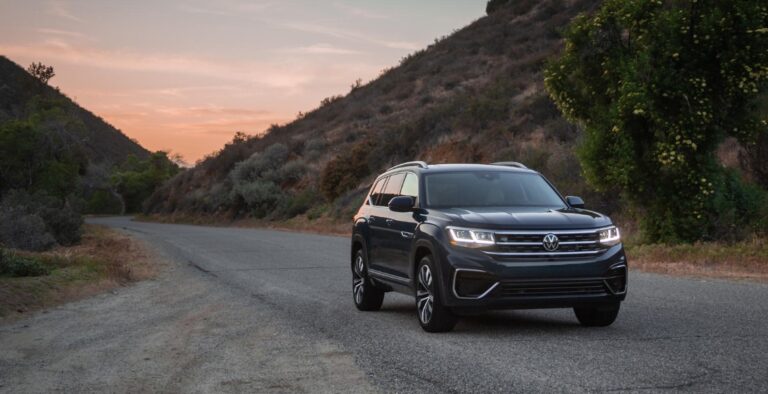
(42, 72)
(137, 179)
(33, 158)
(656, 86)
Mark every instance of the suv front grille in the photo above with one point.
(551, 287)
(571, 244)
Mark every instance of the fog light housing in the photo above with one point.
(473, 284)
(616, 281)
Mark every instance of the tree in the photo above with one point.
(136, 180)
(42, 72)
(656, 86)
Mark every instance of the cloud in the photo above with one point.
(273, 75)
(228, 8)
(347, 35)
(321, 49)
(61, 9)
(64, 33)
(359, 12)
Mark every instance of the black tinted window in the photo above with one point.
(489, 189)
(392, 189)
(376, 191)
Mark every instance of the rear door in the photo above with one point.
(376, 223)
(403, 226)
(389, 233)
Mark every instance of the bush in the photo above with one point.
(13, 265)
(313, 149)
(103, 202)
(292, 171)
(20, 230)
(345, 171)
(37, 222)
(297, 204)
(260, 196)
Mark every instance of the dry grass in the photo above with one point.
(741, 260)
(105, 259)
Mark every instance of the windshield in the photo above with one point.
(489, 189)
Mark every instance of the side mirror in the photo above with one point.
(402, 204)
(575, 202)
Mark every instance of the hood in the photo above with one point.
(525, 218)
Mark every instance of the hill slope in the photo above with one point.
(100, 141)
(475, 96)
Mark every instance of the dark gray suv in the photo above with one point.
(467, 237)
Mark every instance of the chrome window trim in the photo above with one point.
(456, 294)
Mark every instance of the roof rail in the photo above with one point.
(420, 164)
(509, 164)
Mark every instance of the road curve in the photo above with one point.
(672, 333)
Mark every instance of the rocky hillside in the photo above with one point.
(20, 94)
(474, 96)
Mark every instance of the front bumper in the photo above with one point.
(474, 280)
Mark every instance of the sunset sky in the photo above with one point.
(184, 75)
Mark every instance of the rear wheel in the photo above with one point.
(597, 316)
(433, 316)
(366, 296)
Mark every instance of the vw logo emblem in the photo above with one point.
(550, 242)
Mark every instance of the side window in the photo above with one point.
(376, 191)
(410, 186)
(392, 189)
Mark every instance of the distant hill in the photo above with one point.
(101, 142)
(474, 96)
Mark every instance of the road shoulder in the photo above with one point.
(180, 331)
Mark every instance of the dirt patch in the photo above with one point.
(104, 260)
(747, 260)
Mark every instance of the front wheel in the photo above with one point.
(597, 316)
(366, 296)
(433, 316)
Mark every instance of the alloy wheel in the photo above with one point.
(358, 280)
(424, 296)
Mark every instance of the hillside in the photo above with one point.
(474, 96)
(100, 141)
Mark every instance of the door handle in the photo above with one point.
(406, 234)
(389, 222)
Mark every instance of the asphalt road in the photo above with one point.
(672, 333)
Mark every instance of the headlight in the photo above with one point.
(470, 237)
(610, 236)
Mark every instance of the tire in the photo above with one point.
(597, 316)
(432, 314)
(365, 296)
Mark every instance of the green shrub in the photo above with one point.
(103, 202)
(292, 171)
(21, 230)
(261, 197)
(13, 265)
(37, 222)
(657, 86)
(297, 204)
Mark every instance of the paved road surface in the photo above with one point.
(672, 333)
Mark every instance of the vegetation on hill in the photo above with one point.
(657, 87)
(58, 160)
(475, 96)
